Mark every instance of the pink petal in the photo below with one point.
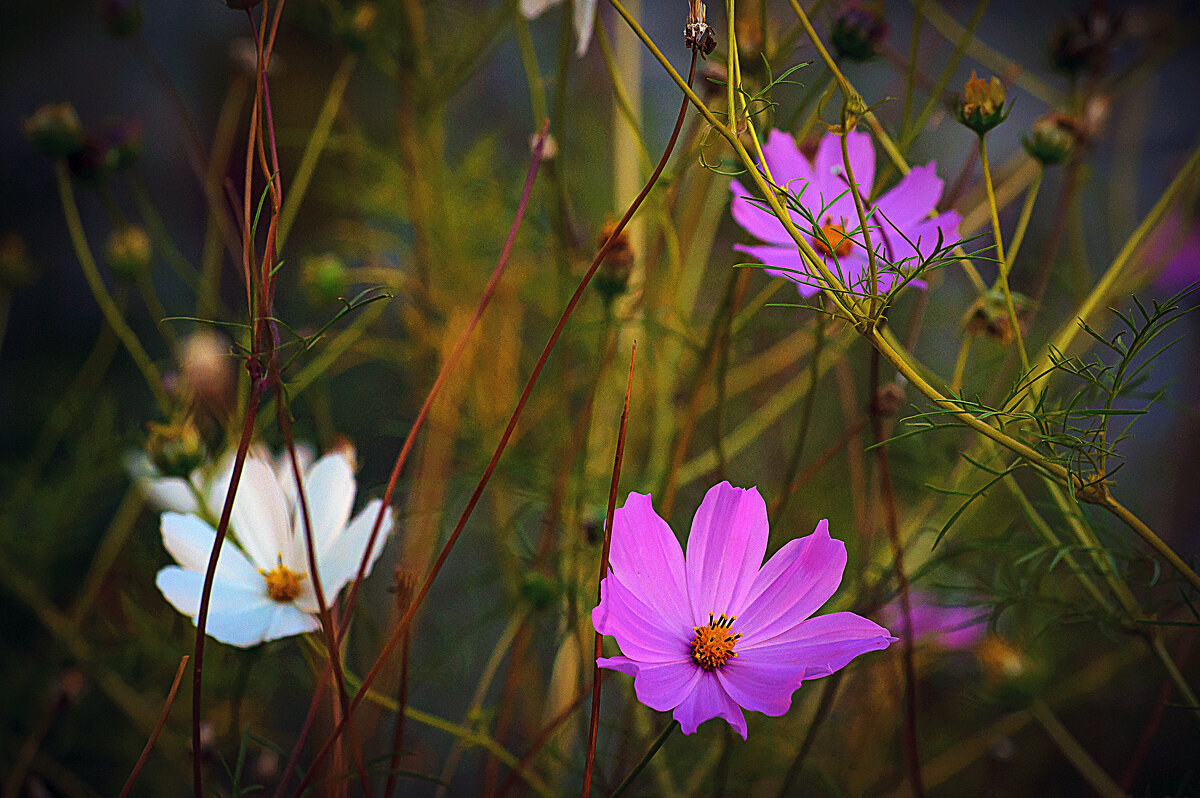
(819, 646)
(830, 177)
(709, 700)
(760, 685)
(911, 200)
(902, 242)
(725, 550)
(782, 258)
(754, 219)
(792, 586)
(649, 561)
(640, 630)
(788, 165)
(661, 685)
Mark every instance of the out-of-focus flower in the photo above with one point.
(1086, 41)
(718, 632)
(859, 31)
(207, 370)
(585, 18)
(902, 231)
(127, 251)
(121, 142)
(358, 26)
(983, 103)
(324, 278)
(55, 130)
(1179, 249)
(1050, 140)
(262, 590)
(936, 624)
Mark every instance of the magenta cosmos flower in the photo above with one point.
(717, 632)
(937, 624)
(902, 231)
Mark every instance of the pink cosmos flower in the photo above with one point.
(902, 232)
(939, 625)
(717, 632)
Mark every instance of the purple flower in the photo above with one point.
(1182, 248)
(947, 627)
(901, 231)
(717, 632)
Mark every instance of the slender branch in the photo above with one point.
(162, 721)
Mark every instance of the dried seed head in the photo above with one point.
(1085, 42)
(859, 31)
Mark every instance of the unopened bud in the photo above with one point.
(983, 104)
(175, 449)
(1049, 141)
(55, 130)
(128, 251)
(989, 316)
(358, 26)
(16, 268)
(612, 278)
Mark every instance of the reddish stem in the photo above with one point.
(594, 726)
(404, 622)
(158, 727)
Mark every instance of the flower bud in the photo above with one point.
(1012, 673)
(612, 278)
(1086, 41)
(128, 251)
(16, 268)
(982, 104)
(859, 31)
(989, 316)
(325, 278)
(123, 18)
(175, 449)
(55, 130)
(358, 26)
(1049, 141)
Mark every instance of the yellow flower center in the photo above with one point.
(840, 244)
(713, 644)
(283, 584)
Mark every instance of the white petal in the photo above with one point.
(305, 454)
(190, 540)
(585, 17)
(182, 588)
(260, 517)
(289, 620)
(329, 489)
(339, 564)
(534, 8)
(171, 493)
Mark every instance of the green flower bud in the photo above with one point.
(359, 25)
(55, 130)
(16, 268)
(175, 449)
(859, 31)
(325, 278)
(128, 251)
(1048, 141)
(989, 316)
(983, 104)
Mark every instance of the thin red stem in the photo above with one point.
(594, 725)
(404, 622)
(158, 727)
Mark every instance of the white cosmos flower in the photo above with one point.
(262, 589)
(585, 18)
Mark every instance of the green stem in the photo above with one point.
(1002, 278)
(103, 298)
(1026, 213)
(645, 760)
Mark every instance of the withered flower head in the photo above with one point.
(983, 104)
(1085, 42)
(859, 31)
